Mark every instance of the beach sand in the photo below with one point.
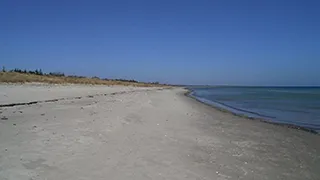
(120, 133)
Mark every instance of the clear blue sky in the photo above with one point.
(233, 42)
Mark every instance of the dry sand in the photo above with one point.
(22, 93)
(142, 133)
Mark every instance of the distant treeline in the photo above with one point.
(60, 74)
(36, 72)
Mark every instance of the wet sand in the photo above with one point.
(142, 133)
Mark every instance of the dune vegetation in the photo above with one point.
(25, 76)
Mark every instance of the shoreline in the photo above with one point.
(145, 133)
(285, 125)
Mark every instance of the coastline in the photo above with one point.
(286, 125)
(145, 133)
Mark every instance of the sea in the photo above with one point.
(298, 106)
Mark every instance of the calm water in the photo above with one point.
(294, 105)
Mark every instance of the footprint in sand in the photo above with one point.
(133, 118)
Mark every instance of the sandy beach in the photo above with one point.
(75, 132)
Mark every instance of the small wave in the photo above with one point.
(245, 111)
(294, 92)
(314, 128)
(233, 108)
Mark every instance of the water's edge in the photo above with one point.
(225, 110)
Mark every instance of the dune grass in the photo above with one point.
(14, 77)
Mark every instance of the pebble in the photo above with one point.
(4, 118)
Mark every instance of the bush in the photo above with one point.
(74, 76)
(58, 74)
(95, 77)
(125, 80)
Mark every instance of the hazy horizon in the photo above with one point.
(242, 43)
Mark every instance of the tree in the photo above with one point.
(3, 69)
(16, 70)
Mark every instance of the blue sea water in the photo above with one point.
(298, 106)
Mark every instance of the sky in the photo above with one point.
(223, 42)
